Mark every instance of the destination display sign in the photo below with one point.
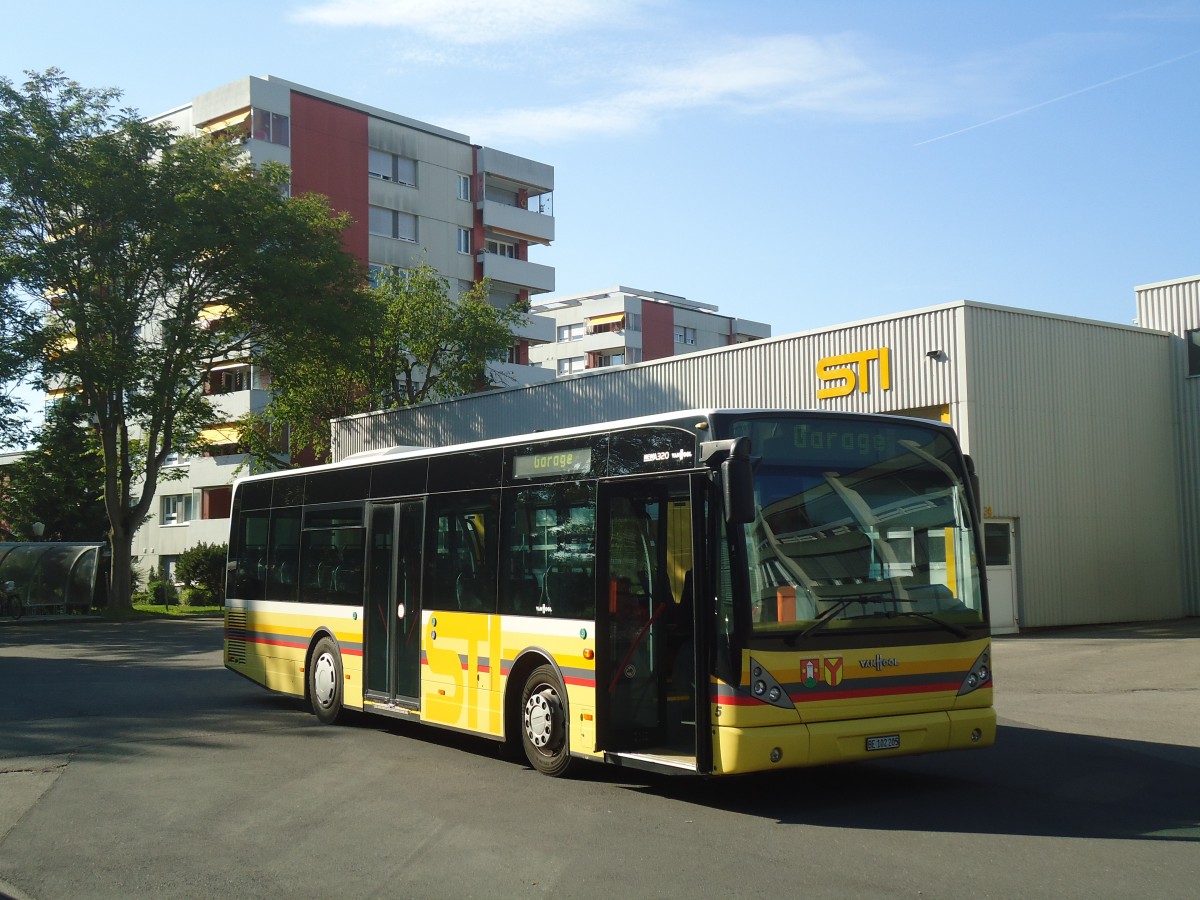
(574, 461)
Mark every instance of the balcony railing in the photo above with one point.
(522, 223)
(519, 273)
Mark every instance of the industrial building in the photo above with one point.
(1084, 433)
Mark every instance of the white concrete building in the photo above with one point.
(415, 191)
(622, 326)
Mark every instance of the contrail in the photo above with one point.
(1084, 90)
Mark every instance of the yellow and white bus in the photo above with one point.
(712, 591)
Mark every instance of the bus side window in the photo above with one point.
(550, 548)
(460, 571)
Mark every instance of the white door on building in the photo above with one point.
(1000, 558)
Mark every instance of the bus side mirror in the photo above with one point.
(737, 479)
(737, 476)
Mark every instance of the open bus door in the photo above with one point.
(651, 676)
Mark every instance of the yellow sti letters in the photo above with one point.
(853, 369)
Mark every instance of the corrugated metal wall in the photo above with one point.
(1071, 426)
(1174, 306)
(774, 373)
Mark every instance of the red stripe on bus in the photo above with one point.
(746, 700)
(298, 645)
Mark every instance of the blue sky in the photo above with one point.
(798, 163)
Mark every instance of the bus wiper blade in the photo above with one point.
(826, 617)
(949, 626)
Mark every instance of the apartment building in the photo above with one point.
(622, 326)
(416, 192)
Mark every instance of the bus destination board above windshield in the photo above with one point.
(574, 461)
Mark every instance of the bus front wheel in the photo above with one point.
(544, 728)
(325, 681)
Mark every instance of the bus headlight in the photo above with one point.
(980, 674)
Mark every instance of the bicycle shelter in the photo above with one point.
(51, 577)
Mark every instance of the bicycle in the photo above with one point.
(13, 607)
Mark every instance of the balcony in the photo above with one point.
(505, 374)
(518, 273)
(536, 177)
(537, 329)
(518, 222)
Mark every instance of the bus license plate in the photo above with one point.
(887, 742)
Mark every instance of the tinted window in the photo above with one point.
(254, 494)
(460, 557)
(336, 485)
(465, 471)
(283, 554)
(549, 558)
(399, 479)
(651, 450)
(248, 554)
(289, 491)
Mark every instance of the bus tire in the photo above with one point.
(545, 732)
(325, 681)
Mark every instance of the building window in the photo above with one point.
(270, 127)
(685, 335)
(230, 380)
(464, 240)
(502, 248)
(215, 502)
(464, 187)
(572, 364)
(375, 273)
(614, 359)
(390, 167)
(392, 223)
(605, 324)
(176, 509)
(176, 458)
(574, 332)
(1193, 345)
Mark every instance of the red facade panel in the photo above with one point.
(658, 331)
(329, 156)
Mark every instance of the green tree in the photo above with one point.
(59, 482)
(203, 567)
(415, 343)
(16, 327)
(120, 234)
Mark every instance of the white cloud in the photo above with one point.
(748, 76)
(469, 22)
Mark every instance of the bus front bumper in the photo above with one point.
(737, 750)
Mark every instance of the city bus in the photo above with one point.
(710, 592)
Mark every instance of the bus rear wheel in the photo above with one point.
(544, 729)
(325, 681)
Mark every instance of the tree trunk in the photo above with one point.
(120, 576)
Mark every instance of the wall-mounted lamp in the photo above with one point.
(937, 355)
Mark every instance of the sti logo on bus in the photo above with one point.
(853, 369)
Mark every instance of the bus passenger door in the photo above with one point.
(646, 664)
(393, 627)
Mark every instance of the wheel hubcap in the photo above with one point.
(539, 717)
(324, 679)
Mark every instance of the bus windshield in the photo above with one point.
(860, 524)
